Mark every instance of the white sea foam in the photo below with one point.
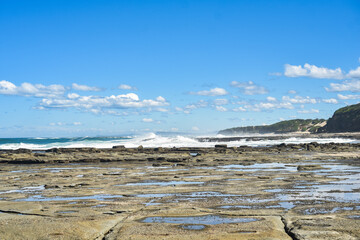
(155, 140)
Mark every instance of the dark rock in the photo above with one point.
(220, 146)
(119, 147)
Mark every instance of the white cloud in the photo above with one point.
(347, 97)
(299, 100)
(73, 95)
(354, 73)
(147, 120)
(312, 71)
(271, 99)
(85, 88)
(8, 88)
(212, 92)
(239, 109)
(162, 109)
(65, 124)
(249, 88)
(126, 87)
(331, 101)
(269, 106)
(195, 128)
(56, 124)
(220, 109)
(221, 102)
(308, 111)
(96, 103)
(352, 86)
(160, 99)
(174, 129)
(199, 104)
(31, 90)
(292, 92)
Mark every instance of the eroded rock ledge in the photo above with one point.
(183, 155)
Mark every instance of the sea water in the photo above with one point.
(152, 140)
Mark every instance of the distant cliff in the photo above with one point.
(346, 119)
(296, 125)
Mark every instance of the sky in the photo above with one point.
(113, 68)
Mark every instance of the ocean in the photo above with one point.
(158, 140)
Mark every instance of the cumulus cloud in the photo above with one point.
(271, 99)
(212, 92)
(271, 106)
(195, 128)
(239, 109)
(354, 73)
(308, 111)
(312, 71)
(126, 87)
(249, 88)
(292, 92)
(299, 100)
(31, 90)
(220, 102)
(96, 103)
(348, 97)
(220, 108)
(147, 120)
(65, 124)
(352, 86)
(85, 88)
(73, 95)
(331, 101)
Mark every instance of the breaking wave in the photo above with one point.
(156, 140)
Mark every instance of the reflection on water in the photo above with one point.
(206, 220)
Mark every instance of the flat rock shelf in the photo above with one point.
(304, 191)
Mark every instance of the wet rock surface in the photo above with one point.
(305, 191)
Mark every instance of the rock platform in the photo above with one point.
(294, 191)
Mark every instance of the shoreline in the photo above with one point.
(182, 155)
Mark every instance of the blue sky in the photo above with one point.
(85, 68)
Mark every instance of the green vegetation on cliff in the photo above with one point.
(346, 119)
(296, 125)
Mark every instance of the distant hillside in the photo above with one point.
(346, 119)
(296, 125)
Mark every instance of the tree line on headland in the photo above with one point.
(346, 119)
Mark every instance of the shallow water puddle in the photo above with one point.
(161, 183)
(25, 190)
(193, 227)
(207, 194)
(199, 220)
(285, 205)
(65, 212)
(314, 211)
(154, 195)
(318, 195)
(40, 198)
(260, 166)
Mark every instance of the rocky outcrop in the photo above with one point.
(346, 119)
